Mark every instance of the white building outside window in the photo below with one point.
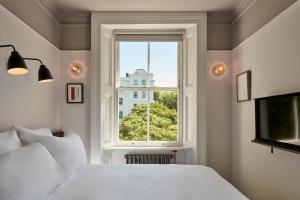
(135, 82)
(129, 99)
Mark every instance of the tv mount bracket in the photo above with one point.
(272, 149)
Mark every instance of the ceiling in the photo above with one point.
(62, 9)
(144, 5)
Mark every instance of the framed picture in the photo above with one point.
(74, 92)
(243, 86)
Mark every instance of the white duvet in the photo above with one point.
(146, 182)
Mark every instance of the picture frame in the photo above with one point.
(75, 93)
(243, 86)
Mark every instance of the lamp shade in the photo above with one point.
(16, 64)
(44, 74)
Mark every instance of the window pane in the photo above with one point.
(133, 64)
(163, 63)
(144, 113)
(120, 101)
(164, 116)
(133, 124)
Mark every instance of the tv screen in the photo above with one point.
(278, 119)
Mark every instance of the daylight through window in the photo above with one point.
(148, 91)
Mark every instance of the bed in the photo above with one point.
(146, 182)
(34, 165)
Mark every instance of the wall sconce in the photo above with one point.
(218, 70)
(17, 66)
(75, 69)
(44, 73)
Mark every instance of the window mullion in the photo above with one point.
(147, 88)
(148, 99)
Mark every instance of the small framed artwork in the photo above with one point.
(74, 92)
(243, 86)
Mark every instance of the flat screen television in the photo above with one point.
(278, 121)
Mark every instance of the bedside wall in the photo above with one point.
(24, 101)
(76, 116)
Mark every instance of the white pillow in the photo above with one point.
(41, 131)
(9, 141)
(28, 173)
(68, 151)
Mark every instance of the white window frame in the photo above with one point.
(195, 118)
(139, 89)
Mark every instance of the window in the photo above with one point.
(192, 26)
(154, 118)
(120, 114)
(143, 94)
(120, 101)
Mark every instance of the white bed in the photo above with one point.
(51, 168)
(146, 182)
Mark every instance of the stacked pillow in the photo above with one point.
(9, 141)
(28, 173)
(68, 151)
(41, 165)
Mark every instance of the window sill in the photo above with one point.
(119, 148)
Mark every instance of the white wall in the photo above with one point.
(28, 103)
(219, 114)
(24, 101)
(272, 54)
(76, 116)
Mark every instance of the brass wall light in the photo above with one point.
(218, 70)
(75, 69)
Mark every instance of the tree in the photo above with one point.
(163, 123)
(168, 98)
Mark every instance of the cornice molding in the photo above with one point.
(214, 18)
(51, 9)
(240, 9)
(71, 18)
(84, 18)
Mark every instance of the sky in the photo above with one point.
(163, 61)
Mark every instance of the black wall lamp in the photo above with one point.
(17, 66)
(44, 73)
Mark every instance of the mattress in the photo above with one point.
(146, 182)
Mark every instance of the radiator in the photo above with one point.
(151, 158)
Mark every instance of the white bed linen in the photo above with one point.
(146, 182)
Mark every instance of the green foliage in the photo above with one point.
(133, 127)
(169, 99)
(163, 120)
(163, 123)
